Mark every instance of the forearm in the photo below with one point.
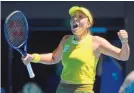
(46, 58)
(50, 58)
(125, 52)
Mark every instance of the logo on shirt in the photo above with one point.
(66, 48)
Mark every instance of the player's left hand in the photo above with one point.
(123, 36)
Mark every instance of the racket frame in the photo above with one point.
(24, 44)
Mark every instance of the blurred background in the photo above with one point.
(48, 23)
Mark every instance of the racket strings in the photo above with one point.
(16, 30)
(20, 37)
(15, 33)
(11, 28)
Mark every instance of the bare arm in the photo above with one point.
(49, 58)
(125, 52)
(119, 53)
(55, 56)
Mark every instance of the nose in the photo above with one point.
(75, 19)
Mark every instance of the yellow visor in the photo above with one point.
(73, 9)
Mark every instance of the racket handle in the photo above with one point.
(30, 71)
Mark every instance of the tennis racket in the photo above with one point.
(16, 34)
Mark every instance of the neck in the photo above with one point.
(81, 36)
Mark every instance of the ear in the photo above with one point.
(89, 24)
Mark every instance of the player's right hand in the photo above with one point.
(27, 59)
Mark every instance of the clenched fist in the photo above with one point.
(123, 36)
(27, 59)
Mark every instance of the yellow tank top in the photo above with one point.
(79, 61)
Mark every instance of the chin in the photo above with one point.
(74, 31)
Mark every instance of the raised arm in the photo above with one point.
(119, 53)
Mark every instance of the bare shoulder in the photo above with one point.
(99, 42)
(62, 42)
(65, 38)
(98, 39)
(95, 45)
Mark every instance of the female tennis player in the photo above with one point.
(80, 53)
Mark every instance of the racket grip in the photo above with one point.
(30, 71)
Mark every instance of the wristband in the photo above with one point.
(36, 58)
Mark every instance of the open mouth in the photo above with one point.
(75, 25)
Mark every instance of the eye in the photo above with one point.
(80, 16)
